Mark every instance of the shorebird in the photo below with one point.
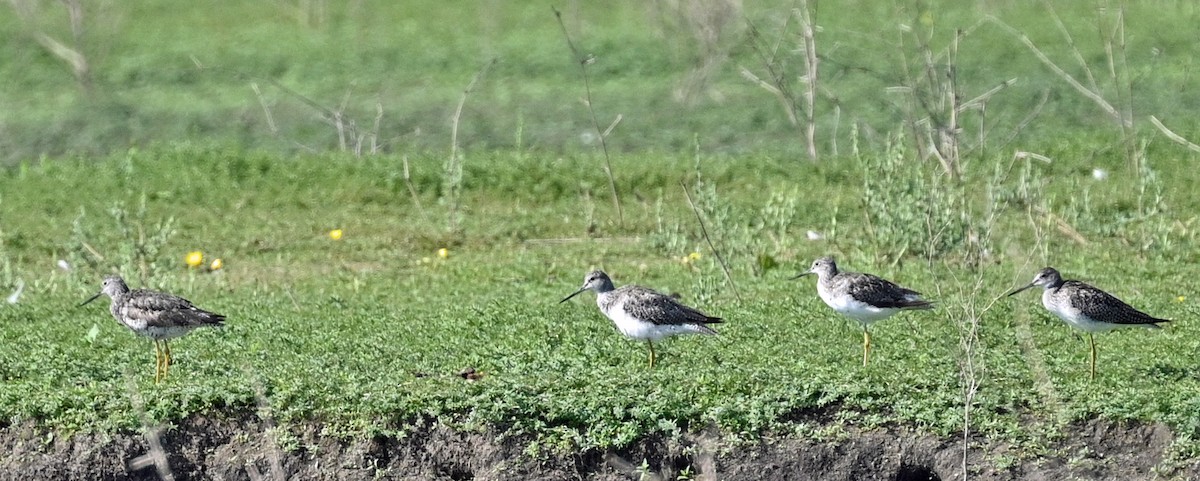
(157, 315)
(1087, 308)
(642, 313)
(862, 297)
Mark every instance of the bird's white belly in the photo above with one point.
(848, 306)
(163, 332)
(635, 328)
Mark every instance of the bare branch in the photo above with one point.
(981, 99)
(1174, 136)
(1086, 92)
(458, 110)
(810, 76)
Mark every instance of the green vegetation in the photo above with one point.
(370, 332)
(367, 334)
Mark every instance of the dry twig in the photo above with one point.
(584, 61)
(716, 253)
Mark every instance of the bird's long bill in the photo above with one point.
(90, 299)
(1019, 290)
(802, 274)
(573, 294)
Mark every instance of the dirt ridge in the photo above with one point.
(210, 448)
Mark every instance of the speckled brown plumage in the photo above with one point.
(862, 297)
(651, 306)
(641, 313)
(157, 315)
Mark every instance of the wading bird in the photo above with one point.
(642, 313)
(862, 297)
(157, 315)
(1087, 308)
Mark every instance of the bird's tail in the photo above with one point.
(917, 304)
(213, 319)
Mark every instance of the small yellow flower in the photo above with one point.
(335, 234)
(443, 253)
(1180, 298)
(216, 264)
(695, 256)
(926, 19)
(194, 258)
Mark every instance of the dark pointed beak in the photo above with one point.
(573, 294)
(90, 299)
(802, 274)
(1019, 290)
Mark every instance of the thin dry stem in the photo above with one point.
(330, 116)
(704, 232)
(1062, 28)
(73, 54)
(375, 128)
(1063, 226)
(157, 456)
(1094, 96)
(462, 100)
(810, 76)
(266, 109)
(1033, 114)
(779, 94)
(413, 189)
(584, 61)
(1174, 136)
(613, 125)
(778, 86)
(339, 120)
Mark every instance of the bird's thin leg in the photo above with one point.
(652, 357)
(866, 345)
(1093, 341)
(157, 362)
(167, 362)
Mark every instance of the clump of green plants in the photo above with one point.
(910, 210)
(132, 245)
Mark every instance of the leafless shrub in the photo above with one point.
(779, 84)
(702, 28)
(350, 136)
(1116, 100)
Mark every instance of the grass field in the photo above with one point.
(368, 333)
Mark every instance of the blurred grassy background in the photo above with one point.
(169, 71)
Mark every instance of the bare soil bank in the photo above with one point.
(206, 448)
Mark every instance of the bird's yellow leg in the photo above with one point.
(1093, 341)
(166, 357)
(652, 357)
(866, 345)
(157, 362)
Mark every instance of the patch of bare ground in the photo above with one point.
(212, 448)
